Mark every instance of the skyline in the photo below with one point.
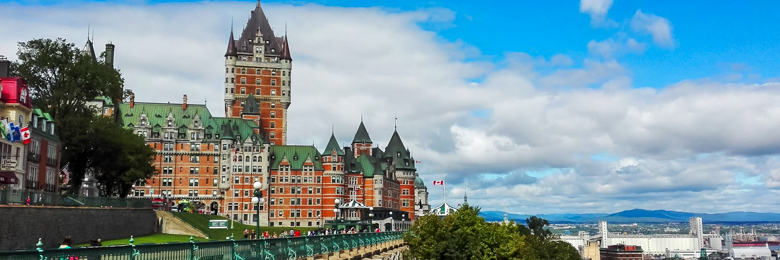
(588, 126)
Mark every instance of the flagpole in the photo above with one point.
(444, 185)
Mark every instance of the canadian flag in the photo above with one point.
(438, 182)
(417, 162)
(25, 134)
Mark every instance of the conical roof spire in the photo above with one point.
(362, 134)
(333, 144)
(231, 48)
(285, 47)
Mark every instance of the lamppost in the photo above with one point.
(403, 220)
(392, 222)
(258, 200)
(371, 218)
(336, 210)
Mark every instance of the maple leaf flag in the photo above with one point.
(25, 134)
(417, 162)
(438, 182)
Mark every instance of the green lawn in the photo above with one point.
(201, 222)
(156, 238)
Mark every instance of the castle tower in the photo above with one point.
(259, 63)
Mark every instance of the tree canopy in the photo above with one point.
(62, 80)
(465, 235)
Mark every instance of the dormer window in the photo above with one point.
(398, 154)
(170, 123)
(273, 50)
(295, 158)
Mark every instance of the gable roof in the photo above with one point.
(361, 136)
(280, 152)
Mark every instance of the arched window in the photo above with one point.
(243, 71)
(247, 158)
(258, 82)
(243, 80)
(273, 92)
(240, 159)
(273, 124)
(273, 114)
(273, 135)
(258, 71)
(254, 158)
(273, 82)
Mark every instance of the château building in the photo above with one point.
(215, 160)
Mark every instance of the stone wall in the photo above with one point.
(21, 226)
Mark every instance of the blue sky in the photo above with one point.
(545, 106)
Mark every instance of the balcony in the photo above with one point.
(51, 162)
(33, 157)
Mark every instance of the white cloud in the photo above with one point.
(658, 27)
(609, 48)
(597, 9)
(679, 146)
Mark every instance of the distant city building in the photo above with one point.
(659, 245)
(621, 252)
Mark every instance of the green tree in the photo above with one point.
(537, 227)
(462, 235)
(62, 79)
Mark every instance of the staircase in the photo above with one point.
(176, 226)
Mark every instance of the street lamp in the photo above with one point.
(258, 200)
(403, 219)
(371, 218)
(336, 212)
(392, 222)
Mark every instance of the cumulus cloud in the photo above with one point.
(658, 27)
(609, 48)
(521, 131)
(597, 9)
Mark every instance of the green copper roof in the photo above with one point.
(279, 152)
(333, 144)
(369, 165)
(362, 135)
(106, 101)
(419, 183)
(157, 114)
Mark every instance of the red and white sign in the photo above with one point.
(438, 182)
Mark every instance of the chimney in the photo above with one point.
(132, 100)
(5, 66)
(184, 104)
(110, 54)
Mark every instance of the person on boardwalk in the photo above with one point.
(254, 235)
(65, 243)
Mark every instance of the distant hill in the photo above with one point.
(641, 216)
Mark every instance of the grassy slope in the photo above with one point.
(201, 222)
(156, 238)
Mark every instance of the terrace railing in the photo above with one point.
(10, 195)
(276, 249)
